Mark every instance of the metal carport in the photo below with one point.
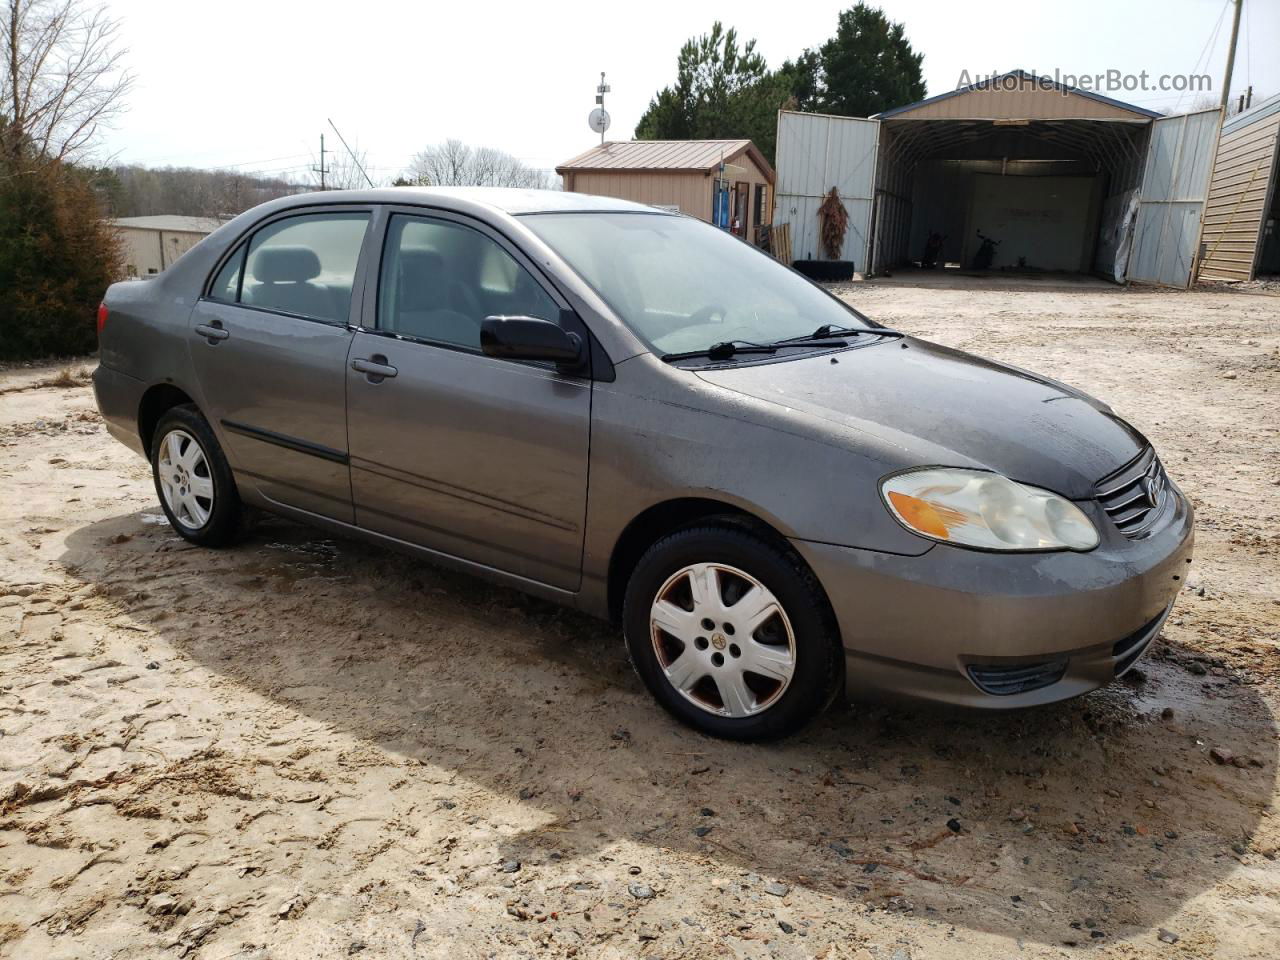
(1074, 180)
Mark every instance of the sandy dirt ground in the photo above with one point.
(305, 748)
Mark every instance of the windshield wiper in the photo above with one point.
(830, 330)
(722, 350)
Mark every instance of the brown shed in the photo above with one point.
(680, 175)
(1241, 239)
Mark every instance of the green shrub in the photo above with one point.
(57, 258)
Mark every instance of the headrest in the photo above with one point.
(285, 264)
(421, 278)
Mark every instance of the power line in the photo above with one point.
(350, 153)
(1208, 44)
(214, 166)
(1248, 55)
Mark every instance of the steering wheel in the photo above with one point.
(704, 314)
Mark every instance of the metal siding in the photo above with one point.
(1027, 102)
(689, 191)
(1175, 185)
(818, 152)
(802, 153)
(1243, 177)
(141, 248)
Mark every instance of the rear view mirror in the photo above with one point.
(529, 338)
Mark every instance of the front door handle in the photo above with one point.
(212, 332)
(375, 368)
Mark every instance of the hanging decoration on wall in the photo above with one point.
(835, 222)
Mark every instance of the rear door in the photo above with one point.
(472, 456)
(269, 342)
(1175, 185)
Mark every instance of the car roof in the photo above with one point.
(509, 200)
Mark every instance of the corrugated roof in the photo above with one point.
(171, 222)
(700, 155)
(1259, 111)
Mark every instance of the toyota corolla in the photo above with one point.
(634, 413)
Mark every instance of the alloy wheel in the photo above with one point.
(722, 639)
(185, 480)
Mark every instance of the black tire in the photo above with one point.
(818, 671)
(224, 524)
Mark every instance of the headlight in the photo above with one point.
(973, 508)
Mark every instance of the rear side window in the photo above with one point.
(226, 285)
(441, 279)
(304, 266)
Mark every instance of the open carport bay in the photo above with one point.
(304, 747)
(1052, 194)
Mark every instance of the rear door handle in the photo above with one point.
(376, 368)
(212, 332)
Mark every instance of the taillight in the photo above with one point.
(102, 317)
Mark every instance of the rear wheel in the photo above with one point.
(193, 479)
(732, 633)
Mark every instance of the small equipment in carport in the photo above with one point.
(932, 250)
(986, 254)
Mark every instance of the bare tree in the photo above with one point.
(343, 172)
(136, 191)
(63, 76)
(456, 164)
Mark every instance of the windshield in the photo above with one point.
(683, 285)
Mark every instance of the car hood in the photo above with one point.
(950, 408)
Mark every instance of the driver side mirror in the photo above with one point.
(530, 338)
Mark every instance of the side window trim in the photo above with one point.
(600, 367)
(374, 228)
(369, 317)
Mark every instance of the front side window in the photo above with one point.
(304, 266)
(441, 279)
(681, 284)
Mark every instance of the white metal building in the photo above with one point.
(150, 244)
(1064, 179)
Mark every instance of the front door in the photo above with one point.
(472, 456)
(269, 342)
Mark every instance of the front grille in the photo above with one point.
(1133, 495)
(1005, 680)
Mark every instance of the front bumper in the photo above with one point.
(944, 625)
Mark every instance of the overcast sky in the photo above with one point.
(250, 83)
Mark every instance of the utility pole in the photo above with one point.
(322, 170)
(1231, 57)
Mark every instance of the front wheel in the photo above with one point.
(732, 634)
(193, 480)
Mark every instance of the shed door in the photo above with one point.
(818, 152)
(1175, 185)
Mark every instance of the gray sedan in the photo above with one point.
(636, 414)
